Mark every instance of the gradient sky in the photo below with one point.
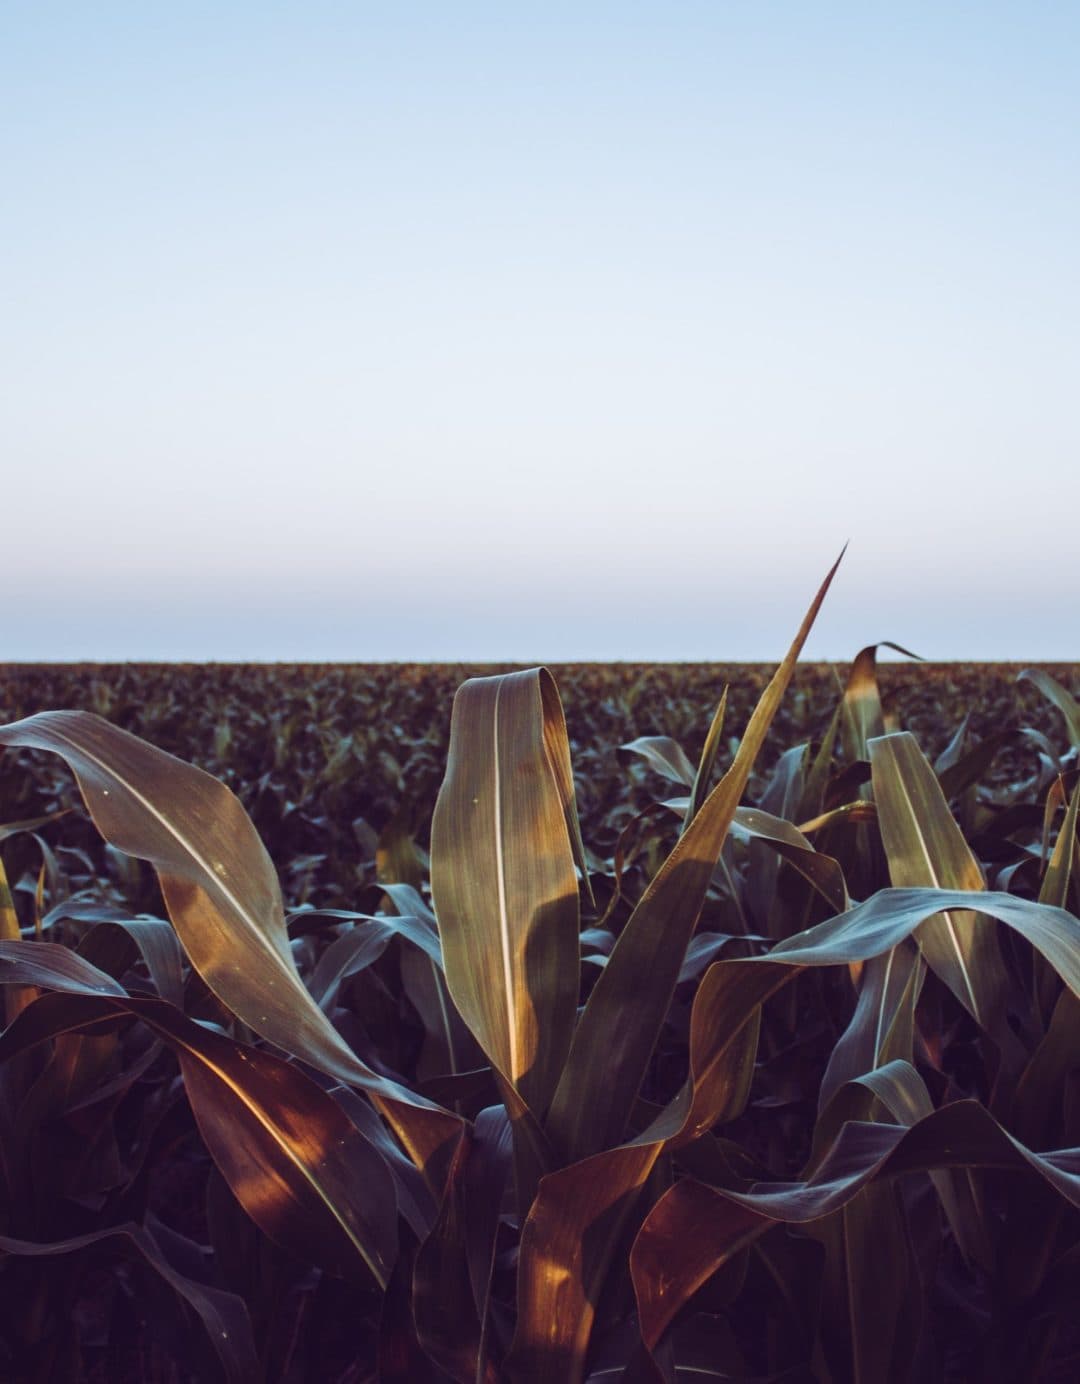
(538, 331)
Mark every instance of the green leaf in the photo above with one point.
(579, 1212)
(1065, 702)
(899, 1089)
(566, 1246)
(924, 846)
(223, 898)
(883, 921)
(663, 755)
(223, 1315)
(50, 965)
(452, 1277)
(693, 1229)
(1055, 885)
(617, 1032)
(293, 1159)
(699, 789)
(788, 841)
(862, 716)
(503, 880)
(882, 1026)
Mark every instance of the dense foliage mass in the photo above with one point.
(324, 757)
(767, 1070)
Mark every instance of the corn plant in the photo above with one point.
(798, 1077)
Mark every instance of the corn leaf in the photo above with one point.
(223, 898)
(618, 1030)
(882, 1027)
(699, 789)
(1055, 885)
(924, 846)
(503, 880)
(293, 1159)
(1060, 697)
(574, 1221)
(663, 755)
(223, 1315)
(693, 1229)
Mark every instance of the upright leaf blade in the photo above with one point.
(502, 877)
(618, 1030)
(924, 846)
(1055, 885)
(1060, 696)
(862, 713)
(700, 788)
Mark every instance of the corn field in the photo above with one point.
(623, 1024)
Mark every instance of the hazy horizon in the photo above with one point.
(587, 333)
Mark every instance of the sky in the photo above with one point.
(522, 332)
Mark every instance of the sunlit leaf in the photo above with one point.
(924, 846)
(862, 716)
(617, 1032)
(222, 895)
(293, 1159)
(503, 881)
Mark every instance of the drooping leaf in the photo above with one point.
(363, 944)
(293, 1159)
(693, 1229)
(50, 965)
(223, 1315)
(111, 943)
(883, 921)
(663, 755)
(900, 1091)
(790, 843)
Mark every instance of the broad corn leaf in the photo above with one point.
(693, 1229)
(574, 1222)
(223, 1315)
(223, 898)
(292, 1157)
(503, 880)
(924, 846)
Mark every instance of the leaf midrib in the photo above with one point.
(500, 888)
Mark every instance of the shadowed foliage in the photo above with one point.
(726, 1033)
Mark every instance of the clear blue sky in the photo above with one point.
(538, 331)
